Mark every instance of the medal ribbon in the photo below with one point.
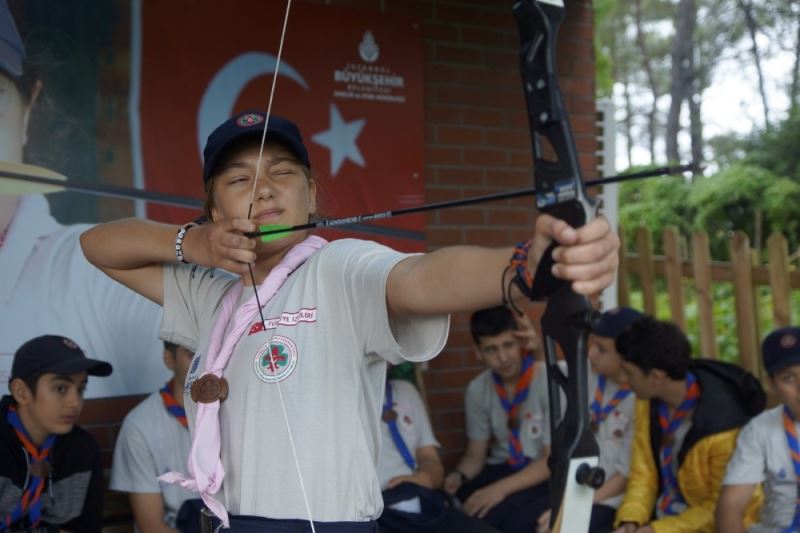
(516, 457)
(794, 451)
(601, 412)
(390, 418)
(31, 502)
(172, 405)
(670, 491)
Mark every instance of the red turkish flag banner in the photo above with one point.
(351, 80)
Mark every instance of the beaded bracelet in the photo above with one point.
(179, 241)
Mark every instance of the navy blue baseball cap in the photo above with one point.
(780, 349)
(12, 51)
(54, 354)
(613, 322)
(250, 124)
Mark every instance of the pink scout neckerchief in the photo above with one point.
(205, 466)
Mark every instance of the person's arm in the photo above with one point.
(613, 486)
(482, 500)
(470, 465)
(133, 251)
(430, 470)
(733, 502)
(437, 282)
(148, 512)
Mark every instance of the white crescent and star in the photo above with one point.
(227, 84)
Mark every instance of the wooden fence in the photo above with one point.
(744, 272)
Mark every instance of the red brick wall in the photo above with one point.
(477, 142)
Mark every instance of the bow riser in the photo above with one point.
(567, 319)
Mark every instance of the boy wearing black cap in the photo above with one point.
(51, 476)
(612, 405)
(687, 416)
(767, 450)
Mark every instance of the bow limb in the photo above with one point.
(567, 317)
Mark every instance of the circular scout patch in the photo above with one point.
(275, 360)
(250, 119)
(788, 341)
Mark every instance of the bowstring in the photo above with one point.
(250, 266)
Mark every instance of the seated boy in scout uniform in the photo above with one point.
(767, 450)
(503, 475)
(410, 471)
(612, 404)
(51, 472)
(688, 414)
(154, 439)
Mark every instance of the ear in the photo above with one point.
(169, 360)
(478, 354)
(658, 376)
(37, 88)
(20, 391)
(312, 197)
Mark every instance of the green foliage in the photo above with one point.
(655, 204)
(727, 202)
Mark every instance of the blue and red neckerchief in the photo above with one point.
(390, 417)
(599, 411)
(516, 456)
(794, 451)
(670, 491)
(172, 405)
(38, 457)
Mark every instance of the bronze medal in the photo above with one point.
(513, 422)
(389, 415)
(39, 469)
(667, 440)
(209, 388)
(618, 433)
(594, 425)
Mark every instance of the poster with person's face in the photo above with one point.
(122, 95)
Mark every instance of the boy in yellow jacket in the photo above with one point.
(688, 414)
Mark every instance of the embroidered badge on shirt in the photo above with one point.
(276, 359)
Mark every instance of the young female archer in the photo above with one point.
(284, 395)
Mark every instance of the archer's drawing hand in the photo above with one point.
(221, 244)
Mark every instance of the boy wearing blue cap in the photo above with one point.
(51, 475)
(612, 405)
(687, 416)
(767, 451)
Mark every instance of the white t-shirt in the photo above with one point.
(614, 434)
(152, 442)
(330, 327)
(486, 417)
(49, 288)
(762, 456)
(413, 425)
